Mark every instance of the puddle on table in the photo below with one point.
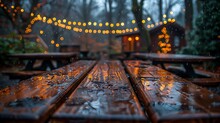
(27, 102)
(166, 108)
(76, 101)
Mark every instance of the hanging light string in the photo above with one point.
(83, 26)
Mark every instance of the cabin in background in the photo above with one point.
(166, 38)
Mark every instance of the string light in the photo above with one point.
(62, 38)
(137, 38)
(163, 42)
(41, 32)
(57, 45)
(22, 10)
(171, 12)
(52, 41)
(164, 16)
(68, 26)
(133, 21)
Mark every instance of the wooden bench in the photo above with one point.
(21, 75)
(169, 98)
(204, 77)
(197, 71)
(105, 95)
(35, 99)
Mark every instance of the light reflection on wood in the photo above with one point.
(105, 94)
(34, 97)
(169, 98)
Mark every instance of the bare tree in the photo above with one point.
(160, 5)
(84, 10)
(58, 9)
(188, 15)
(18, 16)
(137, 9)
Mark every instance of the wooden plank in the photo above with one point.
(33, 100)
(169, 98)
(205, 81)
(105, 95)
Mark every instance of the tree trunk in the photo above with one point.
(137, 10)
(188, 15)
(160, 10)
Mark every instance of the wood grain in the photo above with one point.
(169, 98)
(105, 95)
(33, 100)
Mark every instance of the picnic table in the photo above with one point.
(185, 60)
(89, 91)
(46, 58)
(170, 98)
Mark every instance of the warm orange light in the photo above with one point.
(86, 31)
(137, 38)
(171, 12)
(164, 16)
(106, 23)
(165, 22)
(99, 31)
(111, 25)
(69, 22)
(49, 21)
(74, 22)
(89, 23)
(79, 23)
(61, 38)
(52, 41)
(41, 32)
(173, 20)
(129, 39)
(133, 21)
(57, 45)
(22, 10)
(135, 29)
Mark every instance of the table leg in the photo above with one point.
(47, 63)
(160, 63)
(189, 69)
(30, 65)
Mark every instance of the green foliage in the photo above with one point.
(203, 40)
(12, 45)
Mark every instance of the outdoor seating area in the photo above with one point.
(109, 61)
(100, 91)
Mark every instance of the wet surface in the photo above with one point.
(168, 96)
(27, 102)
(34, 95)
(105, 92)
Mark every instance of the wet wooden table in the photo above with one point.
(185, 60)
(46, 59)
(35, 99)
(105, 95)
(169, 98)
